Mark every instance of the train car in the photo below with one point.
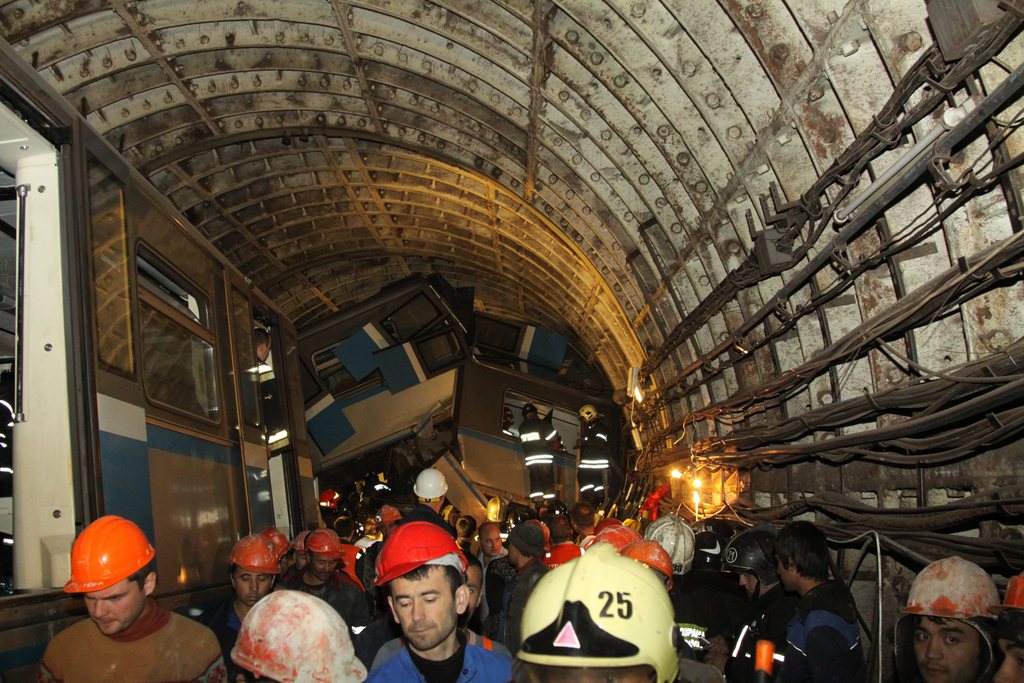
(413, 376)
(140, 375)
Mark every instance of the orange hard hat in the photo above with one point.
(278, 541)
(388, 514)
(619, 536)
(325, 542)
(253, 554)
(300, 541)
(1014, 598)
(107, 551)
(413, 545)
(952, 588)
(606, 523)
(653, 555)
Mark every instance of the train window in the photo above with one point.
(177, 346)
(248, 362)
(336, 377)
(414, 316)
(439, 351)
(110, 270)
(494, 335)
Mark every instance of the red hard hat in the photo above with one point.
(653, 555)
(619, 536)
(253, 554)
(388, 514)
(325, 542)
(300, 541)
(329, 499)
(606, 523)
(545, 529)
(952, 588)
(413, 545)
(108, 550)
(278, 541)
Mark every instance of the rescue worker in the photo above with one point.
(491, 549)
(540, 442)
(526, 553)
(300, 557)
(945, 633)
(329, 502)
(707, 603)
(653, 556)
(387, 519)
(823, 639)
(345, 527)
(474, 581)
(292, 637)
(601, 618)
(322, 577)
(127, 636)
(562, 547)
(429, 488)
(1010, 633)
(751, 554)
(582, 517)
(465, 530)
(253, 569)
(424, 573)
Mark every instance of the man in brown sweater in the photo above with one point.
(127, 637)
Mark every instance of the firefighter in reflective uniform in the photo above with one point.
(538, 438)
(1010, 633)
(603, 617)
(594, 453)
(127, 637)
(946, 632)
(751, 554)
(293, 637)
(429, 488)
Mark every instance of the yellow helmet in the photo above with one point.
(588, 413)
(601, 611)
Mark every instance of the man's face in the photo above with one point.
(1012, 670)
(321, 567)
(116, 608)
(427, 611)
(787, 575)
(490, 541)
(474, 582)
(947, 651)
(749, 583)
(249, 586)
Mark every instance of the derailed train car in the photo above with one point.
(130, 377)
(413, 376)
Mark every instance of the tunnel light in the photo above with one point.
(893, 174)
(277, 436)
(696, 484)
(676, 474)
(633, 385)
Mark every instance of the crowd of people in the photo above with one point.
(434, 597)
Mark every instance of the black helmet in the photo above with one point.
(707, 555)
(528, 409)
(753, 551)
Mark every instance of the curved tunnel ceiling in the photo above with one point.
(602, 168)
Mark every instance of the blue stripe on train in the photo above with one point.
(547, 349)
(185, 444)
(330, 428)
(356, 353)
(400, 367)
(125, 464)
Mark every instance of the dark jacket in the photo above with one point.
(767, 619)
(823, 639)
(424, 513)
(707, 604)
(520, 592)
(341, 593)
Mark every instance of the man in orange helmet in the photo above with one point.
(323, 578)
(1010, 633)
(253, 569)
(127, 636)
(424, 572)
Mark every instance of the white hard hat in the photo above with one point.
(430, 484)
(293, 637)
(676, 538)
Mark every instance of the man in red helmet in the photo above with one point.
(323, 578)
(253, 569)
(127, 636)
(424, 572)
(1010, 633)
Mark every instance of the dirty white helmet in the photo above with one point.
(676, 537)
(952, 588)
(588, 413)
(430, 484)
(600, 611)
(293, 637)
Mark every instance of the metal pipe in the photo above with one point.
(19, 312)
